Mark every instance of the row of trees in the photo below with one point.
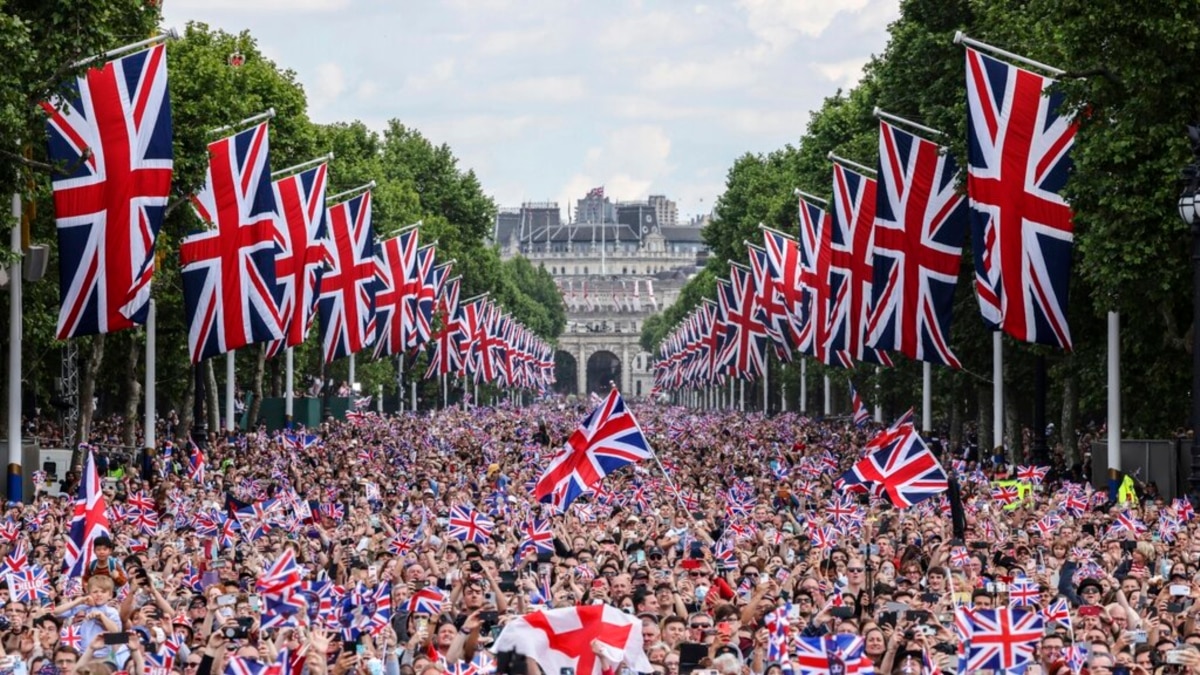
(417, 180)
(1131, 79)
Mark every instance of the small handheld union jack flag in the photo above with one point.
(31, 585)
(467, 524)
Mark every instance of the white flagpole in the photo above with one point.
(766, 382)
(289, 389)
(927, 397)
(148, 430)
(804, 386)
(400, 382)
(1114, 391)
(742, 395)
(229, 375)
(997, 390)
(828, 397)
(352, 379)
(413, 386)
(445, 393)
(14, 358)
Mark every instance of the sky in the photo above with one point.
(546, 99)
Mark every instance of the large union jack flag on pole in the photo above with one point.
(300, 260)
(112, 132)
(1018, 152)
(607, 439)
(395, 268)
(904, 470)
(229, 287)
(920, 220)
(426, 285)
(445, 350)
(744, 354)
(786, 267)
(347, 305)
(851, 273)
(770, 304)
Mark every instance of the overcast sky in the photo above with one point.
(546, 99)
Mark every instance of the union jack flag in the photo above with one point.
(920, 220)
(1006, 494)
(959, 556)
(425, 287)
(770, 304)
(851, 273)
(1023, 592)
(30, 585)
(607, 439)
(113, 132)
(301, 441)
(445, 349)
(69, 636)
(785, 264)
(467, 524)
(745, 342)
(281, 579)
(255, 519)
(904, 470)
(861, 414)
(87, 523)
(229, 287)
(395, 267)
(299, 260)
(1001, 639)
(536, 534)
(196, 464)
(346, 303)
(428, 600)
(1059, 611)
(1018, 152)
(1032, 474)
(18, 558)
(830, 654)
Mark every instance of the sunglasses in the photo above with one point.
(695, 574)
(855, 569)
(700, 626)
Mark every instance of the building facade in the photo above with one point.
(615, 264)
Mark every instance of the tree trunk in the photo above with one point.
(133, 392)
(213, 402)
(260, 362)
(186, 419)
(87, 388)
(1070, 416)
(277, 375)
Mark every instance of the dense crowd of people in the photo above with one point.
(406, 543)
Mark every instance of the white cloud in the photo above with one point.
(629, 164)
(329, 84)
(367, 90)
(540, 90)
(472, 129)
(530, 40)
(441, 73)
(755, 121)
(260, 5)
(844, 74)
(780, 22)
(726, 73)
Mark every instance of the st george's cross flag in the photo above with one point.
(562, 639)
(607, 439)
(110, 142)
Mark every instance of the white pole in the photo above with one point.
(878, 397)
(14, 358)
(151, 402)
(400, 382)
(766, 389)
(352, 377)
(997, 390)
(828, 397)
(229, 387)
(414, 395)
(1114, 391)
(730, 394)
(783, 397)
(379, 400)
(289, 391)
(804, 386)
(927, 396)
(742, 395)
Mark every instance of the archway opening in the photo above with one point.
(566, 373)
(603, 370)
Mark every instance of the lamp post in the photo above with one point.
(1189, 204)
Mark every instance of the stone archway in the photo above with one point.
(603, 369)
(566, 374)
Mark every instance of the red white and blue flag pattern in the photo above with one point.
(851, 274)
(300, 257)
(904, 470)
(112, 132)
(395, 269)
(1018, 152)
(920, 221)
(229, 289)
(89, 521)
(609, 438)
(346, 303)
